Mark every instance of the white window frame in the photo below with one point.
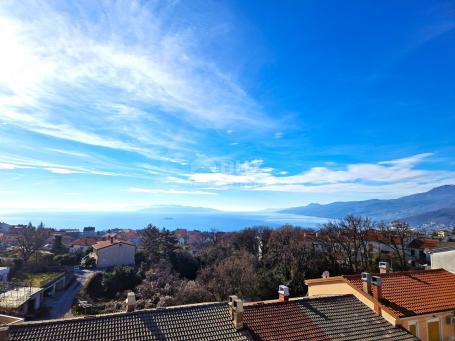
(414, 323)
(436, 319)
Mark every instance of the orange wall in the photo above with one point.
(447, 329)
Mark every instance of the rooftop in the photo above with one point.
(415, 292)
(321, 318)
(106, 243)
(424, 243)
(194, 322)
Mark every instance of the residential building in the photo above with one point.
(82, 245)
(419, 250)
(113, 252)
(89, 231)
(302, 319)
(443, 257)
(421, 301)
(443, 233)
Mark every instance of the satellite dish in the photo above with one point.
(326, 274)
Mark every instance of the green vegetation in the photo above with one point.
(36, 279)
(251, 263)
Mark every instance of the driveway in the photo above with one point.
(60, 304)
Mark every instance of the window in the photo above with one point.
(413, 327)
(433, 330)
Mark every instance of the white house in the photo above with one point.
(443, 258)
(113, 252)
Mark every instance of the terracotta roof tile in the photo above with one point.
(424, 243)
(415, 292)
(106, 243)
(85, 241)
(324, 318)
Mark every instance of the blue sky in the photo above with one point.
(235, 105)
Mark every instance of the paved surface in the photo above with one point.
(60, 304)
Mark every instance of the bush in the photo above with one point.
(67, 259)
(119, 280)
(94, 287)
(185, 264)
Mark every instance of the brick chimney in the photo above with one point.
(283, 293)
(377, 282)
(366, 282)
(112, 240)
(384, 267)
(232, 298)
(238, 314)
(130, 302)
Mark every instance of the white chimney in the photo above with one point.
(130, 302)
(232, 298)
(384, 267)
(238, 314)
(283, 293)
(366, 282)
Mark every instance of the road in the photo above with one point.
(60, 304)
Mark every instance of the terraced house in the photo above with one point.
(422, 301)
(341, 317)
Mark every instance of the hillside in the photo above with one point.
(412, 206)
(443, 216)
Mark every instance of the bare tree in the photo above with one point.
(30, 240)
(397, 235)
(346, 240)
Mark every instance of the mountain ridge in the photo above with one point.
(415, 207)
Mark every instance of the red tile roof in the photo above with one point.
(424, 243)
(415, 292)
(107, 243)
(85, 241)
(322, 318)
(272, 321)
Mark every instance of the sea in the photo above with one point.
(207, 221)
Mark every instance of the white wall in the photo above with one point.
(444, 260)
(116, 254)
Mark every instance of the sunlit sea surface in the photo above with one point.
(221, 221)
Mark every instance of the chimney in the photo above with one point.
(238, 314)
(232, 298)
(384, 267)
(283, 293)
(377, 282)
(130, 302)
(112, 240)
(366, 282)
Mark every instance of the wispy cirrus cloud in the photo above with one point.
(8, 163)
(123, 78)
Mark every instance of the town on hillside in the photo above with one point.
(266, 275)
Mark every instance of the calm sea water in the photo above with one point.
(221, 221)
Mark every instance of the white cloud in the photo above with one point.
(61, 170)
(382, 176)
(168, 191)
(10, 163)
(107, 69)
